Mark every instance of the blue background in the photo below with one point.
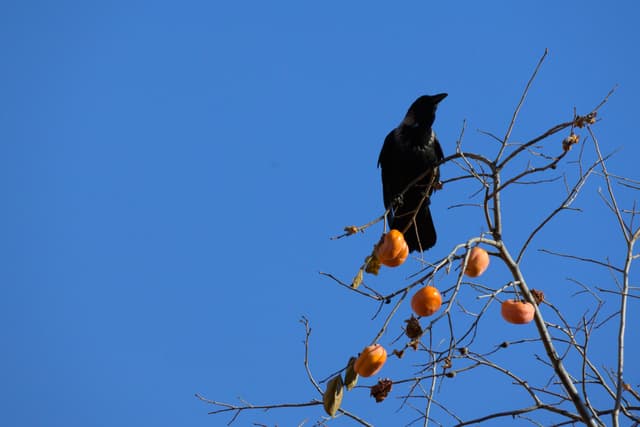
(171, 173)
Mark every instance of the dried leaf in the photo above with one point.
(357, 280)
(350, 376)
(372, 265)
(332, 397)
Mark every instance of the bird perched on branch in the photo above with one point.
(411, 152)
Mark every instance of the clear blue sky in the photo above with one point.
(170, 173)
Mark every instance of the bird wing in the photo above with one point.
(438, 149)
(384, 162)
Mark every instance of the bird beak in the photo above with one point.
(439, 97)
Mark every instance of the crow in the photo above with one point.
(409, 151)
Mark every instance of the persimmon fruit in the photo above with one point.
(477, 263)
(370, 360)
(517, 312)
(426, 301)
(393, 250)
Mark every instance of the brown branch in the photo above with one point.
(511, 413)
(612, 198)
(505, 140)
(354, 229)
(547, 340)
(577, 120)
(389, 317)
(622, 325)
(229, 407)
(564, 205)
(606, 98)
(376, 296)
(525, 146)
(307, 334)
(579, 258)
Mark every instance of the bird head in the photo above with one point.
(423, 110)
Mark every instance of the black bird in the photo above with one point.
(409, 151)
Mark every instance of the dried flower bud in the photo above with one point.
(505, 344)
(351, 229)
(450, 374)
(413, 328)
(447, 363)
(398, 353)
(538, 296)
(381, 390)
(569, 141)
(463, 351)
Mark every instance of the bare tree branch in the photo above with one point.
(574, 385)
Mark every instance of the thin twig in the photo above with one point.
(505, 140)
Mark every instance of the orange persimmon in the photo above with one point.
(370, 361)
(393, 250)
(477, 263)
(517, 312)
(426, 301)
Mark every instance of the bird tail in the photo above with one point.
(419, 234)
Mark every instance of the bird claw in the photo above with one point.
(397, 201)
